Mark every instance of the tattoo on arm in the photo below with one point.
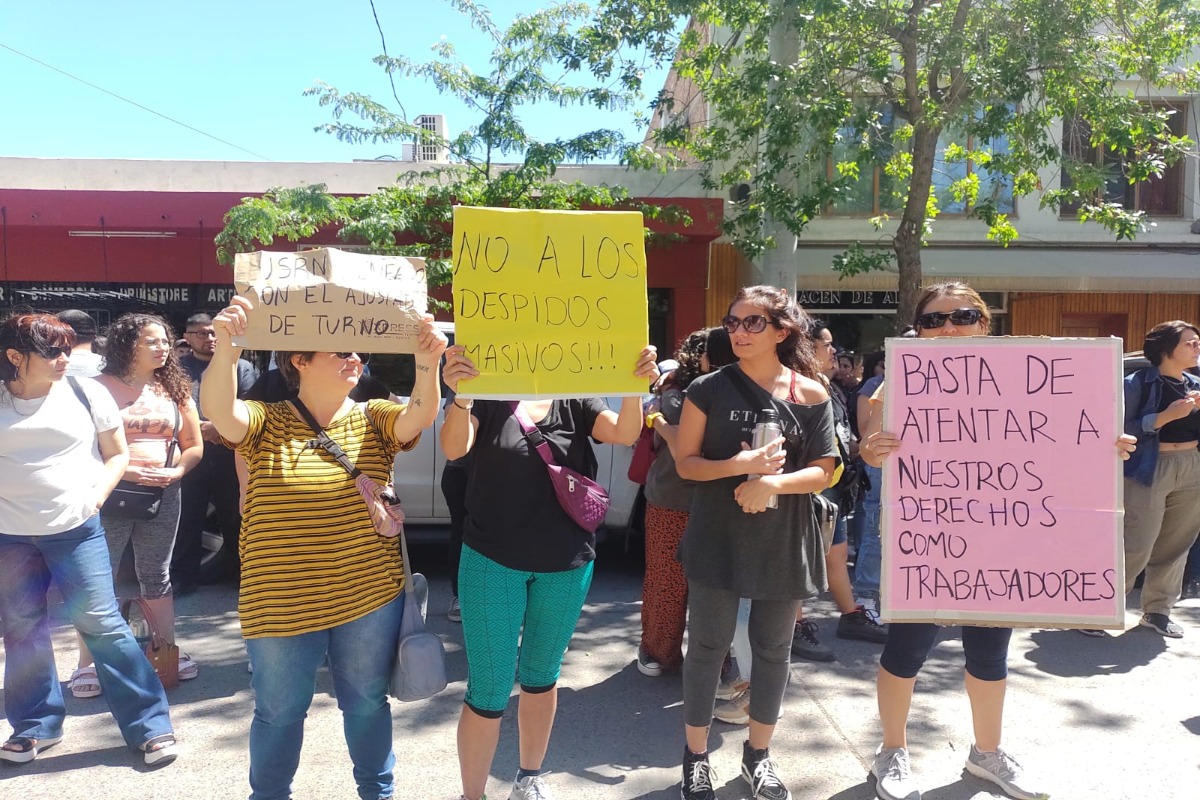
(416, 401)
(422, 368)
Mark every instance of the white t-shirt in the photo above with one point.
(50, 457)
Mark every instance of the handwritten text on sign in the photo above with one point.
(328, 299)
(1003, 505)
(550, 303)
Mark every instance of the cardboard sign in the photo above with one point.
(1004, 504)
(550, 303)
(331, 300)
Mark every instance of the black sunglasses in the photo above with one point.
(363, 357)
(755, 323)
(959, 316)
(51, 353)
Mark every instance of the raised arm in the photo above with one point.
(624, 427)
(458, 429)
(218, 387)
(422, 408)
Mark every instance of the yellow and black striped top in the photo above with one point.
(310, 556)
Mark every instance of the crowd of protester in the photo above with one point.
(732, 549)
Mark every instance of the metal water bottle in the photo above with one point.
(766, 430)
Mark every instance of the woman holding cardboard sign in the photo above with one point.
(317, 580)
(948, 309)
(526, 562)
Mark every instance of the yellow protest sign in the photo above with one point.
(550, 303)
(330, 300)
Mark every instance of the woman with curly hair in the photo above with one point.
(750, 530)
(143, 375)
(668, 498)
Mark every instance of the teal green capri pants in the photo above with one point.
(515, 622)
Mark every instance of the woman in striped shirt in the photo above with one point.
(317, 580)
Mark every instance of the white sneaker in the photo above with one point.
(893, 776)
(1003, 770)
(532, 788)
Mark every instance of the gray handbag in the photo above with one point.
(420, 668)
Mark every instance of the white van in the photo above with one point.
(418, 477)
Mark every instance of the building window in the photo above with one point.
(1160, 196)
(875, 192)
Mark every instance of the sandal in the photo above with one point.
(188, 669)
(161, 750)
(25, 749)
(84, 682)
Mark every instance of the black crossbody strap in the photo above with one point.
(174, 436)
(743, 385)
(75, 387)
(329, 445)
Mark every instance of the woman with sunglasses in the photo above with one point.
(317, 581)
(526, 565)
(750, 530)
(62, 450)
(946, 309)
(162, 428)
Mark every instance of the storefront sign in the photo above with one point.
(868, 302)
(550, 303)
(1003, 505)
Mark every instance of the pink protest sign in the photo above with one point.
(1004, 505)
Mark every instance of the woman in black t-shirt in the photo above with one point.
(735, 544)
(526, 565)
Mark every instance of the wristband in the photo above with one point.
(650, 419)
(470, 404)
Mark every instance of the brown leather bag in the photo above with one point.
(162, 655)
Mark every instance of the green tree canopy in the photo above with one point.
(413, 217)
(806, 98)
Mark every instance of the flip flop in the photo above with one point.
(188, 669)
(84, 682)
(161, 750)
(28, 748)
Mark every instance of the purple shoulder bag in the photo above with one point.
(584, 500)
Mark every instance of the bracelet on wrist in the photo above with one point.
(470, 404)
(650, 419)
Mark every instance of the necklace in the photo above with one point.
(40, 401)
(1177, 387)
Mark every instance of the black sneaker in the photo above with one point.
(698, 777)
(805, 644)
(861, 624)
(762, 774)
(1162, 625)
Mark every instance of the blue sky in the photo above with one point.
(234, 70)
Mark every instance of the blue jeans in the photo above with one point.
(867, 559)
(360, 653)
(77, 560)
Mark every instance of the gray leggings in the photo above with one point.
(153, 541)
(712, 617)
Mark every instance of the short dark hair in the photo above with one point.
(1163, 338)
(81, 322)
(283, 360)
(199, 318)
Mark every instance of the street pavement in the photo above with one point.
(1102, 719)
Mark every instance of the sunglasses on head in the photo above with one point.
(959, 316)
(755, 323)
(363, 357)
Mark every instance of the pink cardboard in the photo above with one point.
(1004, 504)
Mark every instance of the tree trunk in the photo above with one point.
(907, 242)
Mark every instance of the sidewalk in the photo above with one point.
(1101, 719)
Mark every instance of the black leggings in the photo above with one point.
(909, 643)
(712, 618)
